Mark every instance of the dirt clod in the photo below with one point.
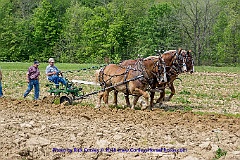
(50, 131)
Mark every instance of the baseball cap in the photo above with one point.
(36, 62)
(51, 60)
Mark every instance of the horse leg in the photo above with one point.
(172, 88)
(144, 94)
(105, 97)
(100, 96)
(115, 97)
(135, 99)
(127, 100)
(151, 99)
(160, 99)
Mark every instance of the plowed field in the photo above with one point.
(190, 127)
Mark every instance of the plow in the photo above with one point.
(70, 93)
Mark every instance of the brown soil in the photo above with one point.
(40, 130)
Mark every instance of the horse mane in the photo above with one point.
(150, 58)
(169, 51)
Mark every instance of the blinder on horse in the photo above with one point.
(184, 62)
(189, 62)
(112, 75)
(161, 74)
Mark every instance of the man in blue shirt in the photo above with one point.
(53, 72)
(33, 80)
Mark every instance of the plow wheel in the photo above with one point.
(68, 100)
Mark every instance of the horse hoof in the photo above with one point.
(164, 99)
(97, 107)
(144, 108)
(129, 106)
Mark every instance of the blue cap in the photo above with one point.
(36, 62)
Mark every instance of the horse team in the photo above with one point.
(143, 76)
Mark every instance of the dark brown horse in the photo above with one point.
(185, 59)
(189, 61)
(122, 79)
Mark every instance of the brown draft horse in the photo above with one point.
(182, 63)
(188, 60)
(152, 70)
(168, 58)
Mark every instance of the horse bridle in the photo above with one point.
(161, 68)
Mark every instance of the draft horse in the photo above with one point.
(167, 58)
(176, 62)
(151, 71)
(183, 63)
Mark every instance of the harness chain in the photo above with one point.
(140, 67)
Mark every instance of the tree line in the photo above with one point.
(94, 31)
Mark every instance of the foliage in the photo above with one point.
(219, 153)
(46, 30)
(159, 30)
(87, 31)
(227, 37)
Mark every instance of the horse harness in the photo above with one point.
(138, 66)
(175, 68)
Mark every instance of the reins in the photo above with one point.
(140, 67)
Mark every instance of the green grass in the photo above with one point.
(20, 66)
(76, 66)
(236, 95)
(217, 69)
(201, 95)
(188, 108)
(182, 100)
(213, 113)
(185, 92)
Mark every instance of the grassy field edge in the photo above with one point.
(15, 66)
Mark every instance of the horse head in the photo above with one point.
(158, 68)
(185, 59)
(189, 62)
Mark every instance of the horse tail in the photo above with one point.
(97, 73)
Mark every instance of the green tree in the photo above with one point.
(15, 33)
(94, 35)
(121, 36)
(46, 30)
(71, 42)
(159, 29)
(227, 35)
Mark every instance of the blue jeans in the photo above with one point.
(1, 93)
(56, 79)
(32, 83)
